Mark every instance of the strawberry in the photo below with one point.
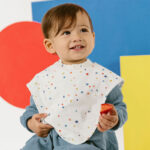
(105, 108)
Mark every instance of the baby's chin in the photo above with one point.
(75, 61)
(78, 61)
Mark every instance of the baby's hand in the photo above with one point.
(108, 121)
(37, 126)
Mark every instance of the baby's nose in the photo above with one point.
(77, 40)
(76, 37)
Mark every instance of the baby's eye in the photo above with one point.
(66, 32)
(84, 30)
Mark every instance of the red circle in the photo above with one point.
(22, 55)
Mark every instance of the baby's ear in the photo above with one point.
(94, 35)
(49, 46)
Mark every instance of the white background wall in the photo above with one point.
(12, 135)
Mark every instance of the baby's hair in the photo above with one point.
(55, 19)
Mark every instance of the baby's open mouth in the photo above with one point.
(77, 47)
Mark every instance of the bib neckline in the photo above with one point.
(85, 64)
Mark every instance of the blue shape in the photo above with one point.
(121, 27)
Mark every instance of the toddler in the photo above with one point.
(66, 97)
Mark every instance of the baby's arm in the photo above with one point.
(118, 116)
(31, 120)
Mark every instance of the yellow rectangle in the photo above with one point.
(136, 72)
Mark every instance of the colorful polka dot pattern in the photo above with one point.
(71, 95)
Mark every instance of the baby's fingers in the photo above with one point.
(45, 126)
(106, 124)
(43, 133)
(38, 117)
(112, 118)
(102, 126)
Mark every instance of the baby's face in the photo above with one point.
(75, 43)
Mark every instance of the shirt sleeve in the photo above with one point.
(115, 97)
(29, 112)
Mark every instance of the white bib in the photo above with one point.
(72, 95)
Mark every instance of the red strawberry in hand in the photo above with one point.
(105, 108)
